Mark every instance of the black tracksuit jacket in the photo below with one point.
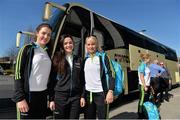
(22, 72)
(102, 75)
(69, 83)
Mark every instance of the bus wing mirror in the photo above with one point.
(48, 7)
(18, 37)
(47, 11)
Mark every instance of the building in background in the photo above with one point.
(7, 65)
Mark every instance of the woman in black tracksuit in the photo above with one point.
(65, 89)
(98, 93)
(31, 76)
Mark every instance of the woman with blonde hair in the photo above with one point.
(144, 81)
(97, 92)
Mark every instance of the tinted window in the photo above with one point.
(151, 46)
(55, 22)
(110, 32)
(131, 37)
(171, 54)
(77, 24)
(108, 41)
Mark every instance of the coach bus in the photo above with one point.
(120, 43)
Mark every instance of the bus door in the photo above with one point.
(77, 24)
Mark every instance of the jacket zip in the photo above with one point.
(29, 72)
(71, 77)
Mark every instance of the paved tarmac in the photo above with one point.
(6, 86)
(7, 106)
(123, 108)
(168, 110)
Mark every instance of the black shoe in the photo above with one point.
(167, 99)
(161, 100)
(141, 116)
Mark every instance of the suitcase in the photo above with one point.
(151, 111)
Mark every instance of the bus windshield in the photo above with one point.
(55, 21)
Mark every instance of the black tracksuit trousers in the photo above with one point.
(66, 107)
(95, 103)
(37, 106)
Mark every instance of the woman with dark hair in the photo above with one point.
(31, 78)
(65, 88)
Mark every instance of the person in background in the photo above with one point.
(97, 92)
(156, 69)
(166, 79)
(65, 87)
(33, 67)
(155, 81)
(144, 82)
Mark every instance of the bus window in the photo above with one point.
(108, 41)
(171, 55)
(162, 50)
(55, 22)
(79, 16)
(76, 21)
(100, 38)
(151, 46)
(131, 37)
(112, 37)
(77, 46)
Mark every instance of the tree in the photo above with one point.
(12, 51)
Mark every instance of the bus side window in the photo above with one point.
(100, 23)
(77, 46)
